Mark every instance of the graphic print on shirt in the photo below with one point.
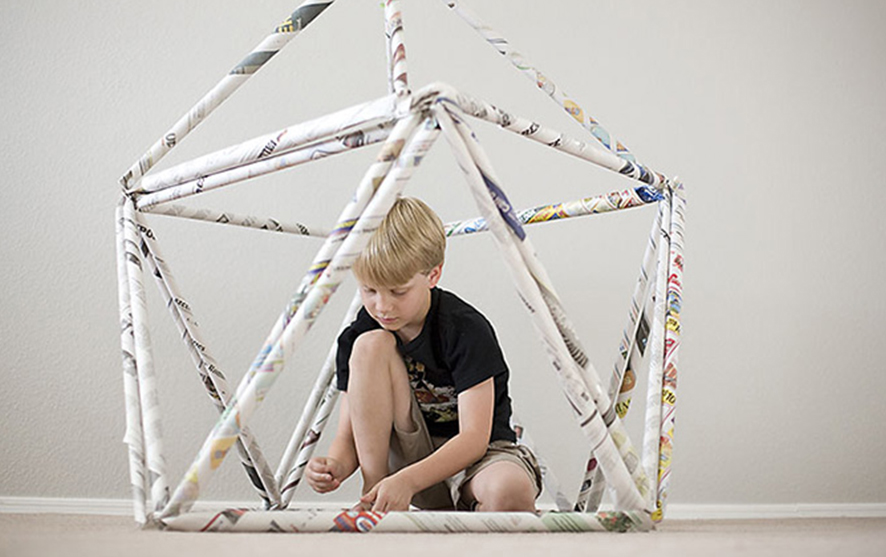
(438, 403)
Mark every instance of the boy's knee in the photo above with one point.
(373, 346)
(508, 500)
(506, 489)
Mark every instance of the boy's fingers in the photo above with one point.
(318, 463)
(370, 496)
(360, 506)
(322, 472)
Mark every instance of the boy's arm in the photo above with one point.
(475, 411)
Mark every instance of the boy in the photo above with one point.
(425, 386)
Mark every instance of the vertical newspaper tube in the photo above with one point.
(672, 346)
(397, 77)
(652, 432)
(148, 397)
(134, 435)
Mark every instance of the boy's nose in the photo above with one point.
(383, 304)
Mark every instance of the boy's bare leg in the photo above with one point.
(379, 397)
(501, 487)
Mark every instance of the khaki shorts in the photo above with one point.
(407, 448)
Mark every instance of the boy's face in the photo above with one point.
(401, 309)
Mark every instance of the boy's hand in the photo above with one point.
(324, 474)
(390, 494)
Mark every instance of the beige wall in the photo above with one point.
(772, 114)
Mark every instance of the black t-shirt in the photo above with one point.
(456, 350)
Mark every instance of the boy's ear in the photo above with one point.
(434, 275)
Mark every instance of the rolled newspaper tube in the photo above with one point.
(626, 450)
(254, 387)
(636, 330)
(246, 221)
(539, 276)
(623, 380)
(613, 201)
(357, 522)
(593, 484)
(652, 433)
(639, 196)
(338, 131)
(672, 346)
(496, 209)
(543, 82)
(134, 435)
(312, 439)
(398, 82)
(345, 222)
(147, 384)
(260, 168)
(300, 18)
(554, 139)
(211, 376)
(536, 270)
(287, 475)
(372, 179)
(308, 153)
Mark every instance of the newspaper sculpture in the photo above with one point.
(405, 124)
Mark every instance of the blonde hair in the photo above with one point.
(409, 240)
